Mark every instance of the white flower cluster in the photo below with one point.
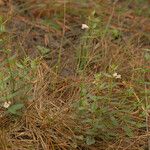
(116, 75)
(7, 104)
(84, 26)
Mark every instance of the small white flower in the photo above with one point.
(7, 104)
(84, 26)
(116, 75)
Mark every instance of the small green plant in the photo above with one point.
(115, 33)
(43, 51)
(96, 116)
(16, 80)
(17, 77)
(102, 111)
(94, 31)
(2, 26)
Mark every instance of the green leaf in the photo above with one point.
(128, 131)
(8, 59)
(114, 121)
(14, 108)
(94, 107)
(33, 64)
(90, 140)
(51, 24)
(1, 19)
(116, 33)
(147, 56)
(43, 50)
(93, 97)
(19, 65)
(2, 28)
(1, 41)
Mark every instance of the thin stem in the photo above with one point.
(62, 39)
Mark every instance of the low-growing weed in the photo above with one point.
(103, 109)
(16, 80)
(17, 77)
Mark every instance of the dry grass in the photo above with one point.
(49, 120)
